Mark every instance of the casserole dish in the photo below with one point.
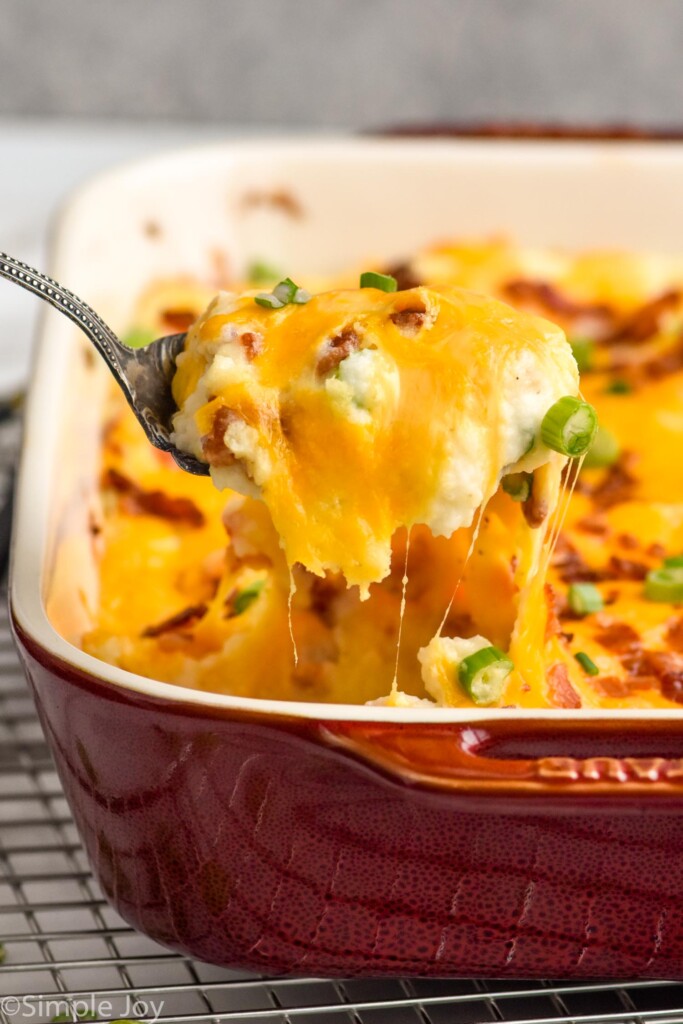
(327, 839)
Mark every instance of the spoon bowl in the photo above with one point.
(143, 374)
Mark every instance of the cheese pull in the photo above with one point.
(355, 412)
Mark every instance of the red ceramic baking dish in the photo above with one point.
(332, 839)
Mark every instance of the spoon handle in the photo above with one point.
(102, 336)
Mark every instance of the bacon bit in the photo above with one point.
(535, 508)
(406, 278)
(611, 596)
(646, 320)
(460, 624)
(323, 593)
(187, 617)
(648, 670)
(409, 321)
(252, 344)
(628, 541)
(613, 686)
(137, 501)
(625, 569)
(337, 349)
(549, 298)
(560, 691)
(179, 320)
(672, 688)
(553, 626)
(643, 682)
(617, 485)
(674, 634)
(618, 637)
(594, 523)
(316, 653)
(656, 550)
(664, 364)
(214, 448)
(278, 199)
(571, 566)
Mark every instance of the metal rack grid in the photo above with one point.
(66, 951)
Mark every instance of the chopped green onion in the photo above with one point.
(674, 562)
(517, 485)
(269, 300)
(139, 337)
(260, 272)
(583, 350)
(285, 291)
(604, 451)
(283, 294)
(587, 664)
(618, 386)
(665, 584)
(569, 426)
(385, 282)
(584, 598)
(245, 598)
(482, 675)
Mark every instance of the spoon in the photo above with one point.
(143, 374)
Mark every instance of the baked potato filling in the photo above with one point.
(573, 607)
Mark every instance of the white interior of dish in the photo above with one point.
(358, 200)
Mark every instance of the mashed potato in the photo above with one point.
(359, 412)
(194, 585)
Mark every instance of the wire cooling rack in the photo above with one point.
(68, 954)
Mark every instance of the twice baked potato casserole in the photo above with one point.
(409, 460)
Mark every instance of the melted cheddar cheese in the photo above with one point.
(360, 412)
(195, 591)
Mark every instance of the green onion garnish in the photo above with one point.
(674, 562)
(482, 675)
(569, 426)
(665, 584)
(517, 485)
(587, 664)
(260, 272)
(385, 282)
(618, 386)
(138, 337)
(604, 451)
(283, 294)
(245, 598)
(584, 598)
(288, 292)
(269, 300)
(583, 350)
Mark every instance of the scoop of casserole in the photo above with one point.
(361, 411)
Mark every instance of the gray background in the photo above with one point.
(85, 84)
(343, 63)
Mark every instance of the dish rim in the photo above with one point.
(30, 523)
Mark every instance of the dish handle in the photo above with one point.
(612, 759)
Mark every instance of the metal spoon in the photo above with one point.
(143, 374)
